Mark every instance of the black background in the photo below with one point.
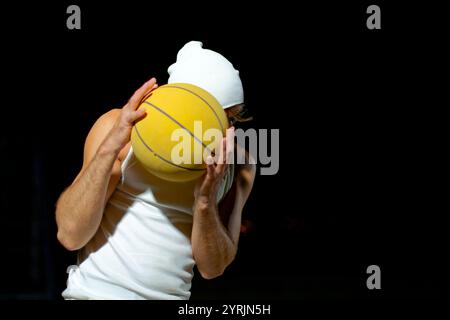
(359, 113)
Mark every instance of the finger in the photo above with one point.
(209, 176)
(229, 149)
(210, 166)
(148, 88)
(136, 98)
(221, 151)
(148, 94)
(138, 114)
(221, 161)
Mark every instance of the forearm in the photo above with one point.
(213, 248)
(79, 210)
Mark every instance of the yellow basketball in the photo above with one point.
(172, 139)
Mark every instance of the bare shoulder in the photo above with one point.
(105, 121)
(95, 137)
(98, 133)
(101, 129)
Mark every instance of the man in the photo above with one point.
(138, 236)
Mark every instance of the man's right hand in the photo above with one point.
(120, 133)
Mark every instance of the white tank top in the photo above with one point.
(142, 249)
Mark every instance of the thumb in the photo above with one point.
(209, 165)
(209, 176)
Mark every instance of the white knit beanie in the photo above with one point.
(208, 70)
